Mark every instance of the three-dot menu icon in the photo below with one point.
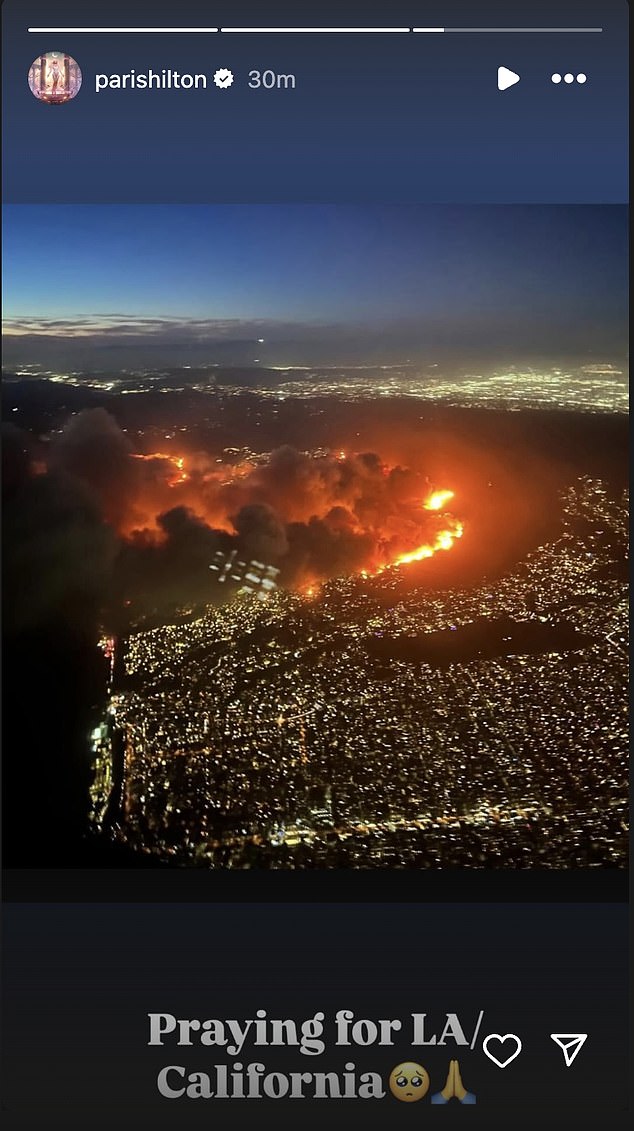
(568, 78)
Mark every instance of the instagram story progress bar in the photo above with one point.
(311, 30)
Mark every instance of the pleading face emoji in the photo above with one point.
(409, 1082)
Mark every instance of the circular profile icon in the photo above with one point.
(54, 78)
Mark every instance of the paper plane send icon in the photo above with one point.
(570, 1044)
(506, 78)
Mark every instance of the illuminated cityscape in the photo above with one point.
(599, 387)
(360, 727)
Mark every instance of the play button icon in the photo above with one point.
(506, 78)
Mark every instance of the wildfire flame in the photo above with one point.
(444, 539)
(437, 500)
(177, 462)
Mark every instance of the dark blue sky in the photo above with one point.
(473, 275)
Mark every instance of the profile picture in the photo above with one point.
(54, 77)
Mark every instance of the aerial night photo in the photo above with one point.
(315, 536)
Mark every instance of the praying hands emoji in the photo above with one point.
(454, 1088)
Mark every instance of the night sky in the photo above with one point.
(329, 283)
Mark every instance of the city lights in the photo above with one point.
(275, 735)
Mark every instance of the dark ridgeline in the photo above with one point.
(53, 679)
(482, 640)
(56, 552)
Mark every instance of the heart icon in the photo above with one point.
(508, 1039)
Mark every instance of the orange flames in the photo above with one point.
(173, 474)
(436, 502)
(177, 462)
(444, 539)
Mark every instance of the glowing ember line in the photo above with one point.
(176, 461)
(444, 540)
(156, 455)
